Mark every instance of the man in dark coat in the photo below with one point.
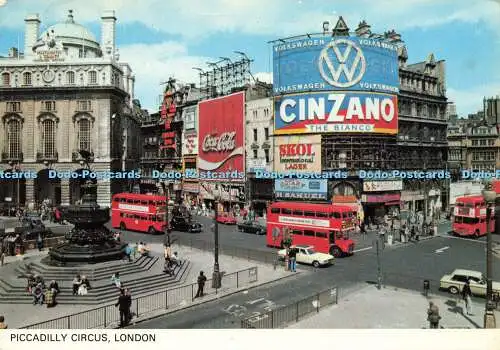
(124, 306)
(201, 284)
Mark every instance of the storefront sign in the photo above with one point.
(383, 198)
(301, 189)
(297, 153)
(254, 164)
(379, 186)
(190, 187)
(409, 196)
(190, 144)
(221, 134)
(344, 199)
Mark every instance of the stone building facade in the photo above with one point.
(67, 92)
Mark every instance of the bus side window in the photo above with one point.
(275, 210)
(309, 213)
(309, 233)
(116, 199)
(122, 215)
(123, 200)
(335, 215)
(130, 201)
(286, 211)
(144, 202)
(296, 232)
(321, 234)
(321, 215)
(298, 212)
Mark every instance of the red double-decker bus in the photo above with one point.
(469, 217)
(138, 212)
(325, 226)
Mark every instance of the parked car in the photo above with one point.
(307, 255)
(455, 281)
(227, 219)
(183, 224)
(252, 227)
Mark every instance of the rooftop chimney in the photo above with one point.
(31, 33)
(108, 33)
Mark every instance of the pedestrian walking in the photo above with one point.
(466, 296)
(129, 299)
(124, 307)
(201, 284)
(433, 316)
(292, 256)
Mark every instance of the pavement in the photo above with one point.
(401, 309)
(19, 315)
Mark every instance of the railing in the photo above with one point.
(108, 315)
(267, 257)
(293, 312)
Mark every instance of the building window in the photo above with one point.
(255, 134)
(266, 133)
(84, 128)
(49, 106)
(14, 107)
(266, 153)
(70, 78)
(93, 77)
(83, 106)
(255, 154)
(48, 138)
(81, 53)
(266, 112)
(254, 114)
(14, 139)
(27, 78)
(5, 79)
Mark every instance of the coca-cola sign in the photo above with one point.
(223, 143)
(221, 134)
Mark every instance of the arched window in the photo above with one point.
(48, 138)
(5, 79)
(26, 78)
(70, 78)
(84, 128)
(14, 139)
(93, 77)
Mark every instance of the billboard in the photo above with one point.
(336, 112)
(221, 135)
(297, 153)
(324, 63)
(380, 186)
(189, 143)
(303, 189)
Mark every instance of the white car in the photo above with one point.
(455, 281)
(307, 255)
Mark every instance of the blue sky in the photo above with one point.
(166, 38)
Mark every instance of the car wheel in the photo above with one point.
(453, 290)
(336, 252)
(151, 230)
(316, 264)
(122, 226)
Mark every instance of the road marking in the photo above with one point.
(255, 301)
(361, 250)
(463, 239)
(440, 250)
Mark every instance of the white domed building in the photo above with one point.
(66, 92)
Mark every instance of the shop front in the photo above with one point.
(376, 206)
(190, 192)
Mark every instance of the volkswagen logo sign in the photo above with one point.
(336, 67)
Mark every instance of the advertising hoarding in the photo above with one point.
(254, 164)
(324, 63)
(336, 112)
(221, 134)
(303, 189)
(189, 143)
(297, 153)
(379, 186)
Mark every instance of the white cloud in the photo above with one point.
(471, 99)
(197, 18)
(164, 60)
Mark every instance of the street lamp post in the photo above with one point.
(489, 315)
(216, 277)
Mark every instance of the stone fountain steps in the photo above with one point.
(104, 292)
(104, 271)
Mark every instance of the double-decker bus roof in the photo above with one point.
(471, 199)
(139, 196)
(311, 206)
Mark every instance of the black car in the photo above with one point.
(252, 227)
(183, 224)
